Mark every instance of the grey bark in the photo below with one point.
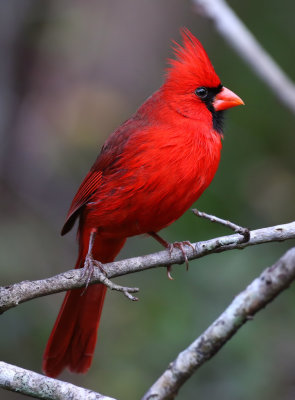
(11, 296)
(30, 383)
(256, 296)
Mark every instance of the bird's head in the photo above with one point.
(192, 87)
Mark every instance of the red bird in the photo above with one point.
(148, 173)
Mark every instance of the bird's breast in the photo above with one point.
(156, 183)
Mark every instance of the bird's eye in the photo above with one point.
(201, 92)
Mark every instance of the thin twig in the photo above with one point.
(11, 296)
(113, 286)
(30, 383)
(257, 295)
(246, 45)
(234, 227)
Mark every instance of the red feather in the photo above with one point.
(86, 190)
(149, 172)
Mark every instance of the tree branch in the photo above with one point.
(11, 296)
(257, 295)
(234, 227)
(30, 383)
(245, 44)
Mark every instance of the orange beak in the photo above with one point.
(226, 99)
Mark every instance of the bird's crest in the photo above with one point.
(192, 66)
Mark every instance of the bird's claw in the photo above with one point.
(180, 246)
(169, 269)
(89, 265)
(170, 247)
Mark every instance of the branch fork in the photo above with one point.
(21, 292)
(234, 227)
(244, 306)
(113, 286)
(98, 272)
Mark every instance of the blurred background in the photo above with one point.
(70, 73)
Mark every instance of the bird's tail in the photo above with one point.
(73, 337)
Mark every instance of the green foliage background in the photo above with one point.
(70, 73)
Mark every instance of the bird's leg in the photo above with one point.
(167, 245)
(236, 228)
(90, 263)
(89, 267)
(170, 246)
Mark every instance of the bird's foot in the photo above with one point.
(180, 246)
(170, 246)
(89, 266)
(88, 271)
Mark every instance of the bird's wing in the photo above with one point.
(87, 188)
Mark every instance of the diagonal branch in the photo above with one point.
(36, 385)
(245, 44)
(257, 295)
(11, 296)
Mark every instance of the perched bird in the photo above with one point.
(148, 173)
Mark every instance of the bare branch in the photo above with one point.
(243, 41)
(32, 384)
(256, 296)
(11, 296)
(102, 278)
(234, 227)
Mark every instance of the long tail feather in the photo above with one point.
(73, 337)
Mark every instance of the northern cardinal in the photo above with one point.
(148, 173)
